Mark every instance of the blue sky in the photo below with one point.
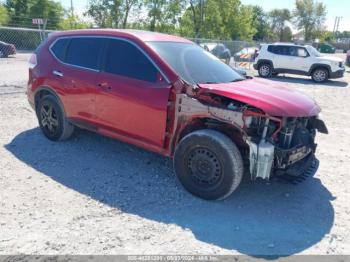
(334, 8)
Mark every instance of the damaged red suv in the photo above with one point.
(166, 94)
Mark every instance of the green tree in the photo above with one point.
(286, 35)
(115, 13)
(21, 12)
(310, 17)
(278, 19)
(73, 22)
(4, 17)
(221, 19)
(261, 24)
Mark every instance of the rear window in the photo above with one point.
(84, 52)
(59, 48)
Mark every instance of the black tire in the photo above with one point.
(3, 54)
(320, 75)
(208, 164)
(52, 120)
(265, 70)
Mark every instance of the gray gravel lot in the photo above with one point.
(94, 195)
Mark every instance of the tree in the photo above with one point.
(21, 12)
(115, 13)
(278, 18)
(4, 17)
(221, 19)
(73, 22)
(310, 17)
(261, 24)
(286, 35)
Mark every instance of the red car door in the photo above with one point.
(77, 74)
(133, 94)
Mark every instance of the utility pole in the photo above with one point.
(335, 24)
(71, 14)
(339, 18)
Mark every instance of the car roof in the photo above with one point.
(145, 36)
(284, 44)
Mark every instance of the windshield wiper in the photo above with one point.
(237, 80)
(208, 83)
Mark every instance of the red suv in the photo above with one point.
(168, 95)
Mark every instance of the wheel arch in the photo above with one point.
(316, 66)
(265, 61)
(231, 131)
(43, 91)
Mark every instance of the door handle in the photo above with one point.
(105, 85)
(57, 73)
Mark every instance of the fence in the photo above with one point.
(23, 38)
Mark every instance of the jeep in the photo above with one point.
(297, 59)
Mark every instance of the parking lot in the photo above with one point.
(94, 195)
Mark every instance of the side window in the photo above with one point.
(272, 49)
(59, 48)
(84, 52)
(302, 52)
(127, 60)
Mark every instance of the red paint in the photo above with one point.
(271, 97)
(139, 112)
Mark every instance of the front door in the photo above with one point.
(133, 95)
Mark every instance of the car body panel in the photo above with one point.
(272, 98)
(132, 107)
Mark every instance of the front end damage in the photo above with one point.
(272, 145)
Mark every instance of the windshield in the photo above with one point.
(194, 64)
(313, 51)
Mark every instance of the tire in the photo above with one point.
(320, 75)
(265, 70)
(208, 164)
(52, 120)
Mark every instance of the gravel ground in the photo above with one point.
(94, 195)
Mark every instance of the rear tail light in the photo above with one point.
(32, 61)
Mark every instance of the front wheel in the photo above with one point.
(52, 120)
(208, 164)
(320, 75)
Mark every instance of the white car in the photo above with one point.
(297, 59)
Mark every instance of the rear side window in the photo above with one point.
(84, 52)
(281, 50)
(59, 48)
(125, 59)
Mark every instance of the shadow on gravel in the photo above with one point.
(258, 219)
(308, 81)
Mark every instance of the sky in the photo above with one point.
(334, 8)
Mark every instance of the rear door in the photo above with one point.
(281, 58)
(77, 75)
(133, 94)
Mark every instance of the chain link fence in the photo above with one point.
(24, 39)
(29, 38)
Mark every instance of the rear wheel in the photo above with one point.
(2, 54)
(52, 120)
(320, 75)
(208, 164)
(265, 70)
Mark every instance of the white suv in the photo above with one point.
(297, 59)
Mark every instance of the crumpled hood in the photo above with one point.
(271, 97)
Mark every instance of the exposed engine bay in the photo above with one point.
(273, 143)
